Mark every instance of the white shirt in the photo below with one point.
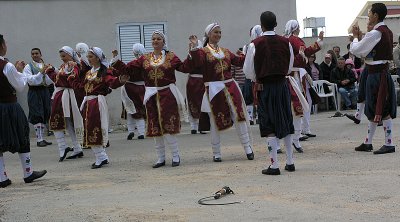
(15, 78)
(36, 80)
(364, 47)
(248, 67)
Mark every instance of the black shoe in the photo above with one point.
(175, 164)
(279, 151)
(251, 122)
(193, 131)
(157, 165)
(108, 144)
(35, 175)
(352, 117)
(41, 143)
(250, 156)
(104, 162)
(364, 148)
(47, 143)
(202, 132)
(50, 133)
(380, 123)
(141, 137)
(310, 135)
(217, 159)
(5, 183)
(130, 136)
(298, 149)
(271, 171)
(68, 149)
(77, 155)
(385, 149)
(303, 138)
(290, 168)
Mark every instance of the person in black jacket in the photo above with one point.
(345, 79)
(326, 67)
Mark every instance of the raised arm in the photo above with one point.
(134, 67)
(113, 79)
(237, 60)
(14, 75)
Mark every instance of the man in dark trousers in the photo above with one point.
(380, 97)
(14, 127)
(38, 96)
(269, 60)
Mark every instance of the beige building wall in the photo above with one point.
(51, 24)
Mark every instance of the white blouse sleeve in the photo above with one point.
(15, 78)
(291, 61)
(365, 46)
(37, 79)
(248, 67)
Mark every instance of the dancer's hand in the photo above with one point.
(193, 43)
(49, 68)
(321, 35)
(20, 65)
(115, 53)
(123, 79)
(378, 118)
(356, 31)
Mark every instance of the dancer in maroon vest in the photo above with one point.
(380, 97)
(14, 131)
(268, 61)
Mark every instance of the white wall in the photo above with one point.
(329, 43)
(50, 24)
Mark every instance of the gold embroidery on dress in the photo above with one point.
(193, 108)
(209, 55)
(154, 130)
(171, 126)
(54, 123)
(146, 63)
(224, 121)
(168, 58)
(221, 67)
(93, 138)
(226, 53)
(89, 87)
(156, 74)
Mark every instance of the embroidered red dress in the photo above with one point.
(60, 79)
(94, 107)
(300, 62)
(217, 70)
(162, 108)
(194, 93)
(135, 90)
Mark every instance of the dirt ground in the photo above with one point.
(332, 182)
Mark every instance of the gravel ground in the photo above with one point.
(331, 183)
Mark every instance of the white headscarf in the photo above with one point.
(99, 53)
(291, 26)
(138, 50)
(160, 33)
(256, 32)
(70, 52)
(82, 49)
(209, 29)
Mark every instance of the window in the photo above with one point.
(130, 33)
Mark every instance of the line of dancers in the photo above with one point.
(156, 108)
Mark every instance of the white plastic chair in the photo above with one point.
(318, 85)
